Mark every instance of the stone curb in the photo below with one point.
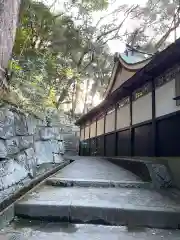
(97, 183)
(148, 170)
(136, 159)
(19, 193)
(137, 216)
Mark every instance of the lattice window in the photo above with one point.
(142, 91)
(123, 102)
(169, 75)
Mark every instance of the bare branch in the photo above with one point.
(171, 28)
(127, 13)
(107, 15)
(58, 15)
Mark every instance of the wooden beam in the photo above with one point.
(131, 123)
(176, 98)
(90, 138)
(96, 137)
(84, 131)
(116, 137)
(104, 133)
(154, 127)
(80, 142)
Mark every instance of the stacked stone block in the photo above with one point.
(25, 143)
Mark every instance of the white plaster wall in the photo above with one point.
(82, 134)
(164, 99)
(122, 76)
(142, 109)
(87, 132)
(123, 117)
(93, 130)
(100, 126)
(110, 122)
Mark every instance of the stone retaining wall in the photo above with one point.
(25, 143)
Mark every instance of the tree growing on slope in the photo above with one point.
(63, 57)
(8, 22)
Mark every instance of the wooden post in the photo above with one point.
(104, 134)
(90, 138)
(154, 128)
(80, 143)
(96, 137)
(131, 123)
(116, 133)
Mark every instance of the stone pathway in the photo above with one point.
(109, 202)
(95, 169)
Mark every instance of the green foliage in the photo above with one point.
(52, 54)
(56, 54)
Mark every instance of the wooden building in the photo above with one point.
(140, 115)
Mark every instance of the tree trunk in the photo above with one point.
(73, 99)
(76, 97)
(9, 13)
(86, 96)
(64, 92)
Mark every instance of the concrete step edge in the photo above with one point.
(66, 182)
(19, 193)
(138, 216)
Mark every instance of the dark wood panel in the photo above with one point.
(143, 141)
(167, 140)
(168, 136)
(100, 145)
(110, 144)
(124, 143)
(86, 150)
(80, 148)
(93, 147)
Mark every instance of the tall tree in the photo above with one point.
(9, 12)
(64, 56)
(60, 53)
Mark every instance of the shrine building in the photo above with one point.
(140, 113)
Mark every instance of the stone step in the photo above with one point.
(108, 206)
(67, 182)
(23, 229)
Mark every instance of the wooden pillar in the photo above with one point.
(116, 133)
(96, 138)
(80, 142)
(90, 138)
(84, 131)
(104, 134)
(154, 127)
(131, 123)
(84, 150)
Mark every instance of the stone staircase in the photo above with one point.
(104, 198)
(119, 206)
(71, 143)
